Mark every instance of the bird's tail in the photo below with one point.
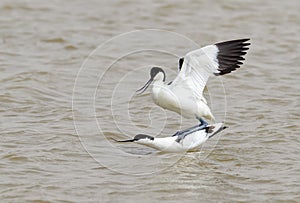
(214, 129)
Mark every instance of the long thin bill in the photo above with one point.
(123, 140)
(143, 89)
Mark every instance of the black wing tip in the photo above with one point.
(235, 41)
(230, 55)
(216, 132)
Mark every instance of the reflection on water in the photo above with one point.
(44, 44)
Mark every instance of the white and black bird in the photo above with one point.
(188, 140)
(185, 94)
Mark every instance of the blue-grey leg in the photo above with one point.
(185, 131)
(182, 134)
(203, 123)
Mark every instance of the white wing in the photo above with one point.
(198, 65)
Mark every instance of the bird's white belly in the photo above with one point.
(169, 144)
(181, 105)
(186, 106)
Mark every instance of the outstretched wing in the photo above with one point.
(198, 65)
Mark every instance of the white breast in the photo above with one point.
(179, 100)
(190, 142)
(164, 97)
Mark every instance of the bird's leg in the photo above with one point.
(180, 135)
(177, 133)
(183, 133)
(203, 123)
(186, 130)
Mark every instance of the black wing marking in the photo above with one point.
(230, 55)
(180, 62)
(219, 130)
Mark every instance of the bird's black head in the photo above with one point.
(155, 70)
(156, 74)
(142, 136)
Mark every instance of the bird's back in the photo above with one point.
(190, 142)
(194, 140)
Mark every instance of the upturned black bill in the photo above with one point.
(143, 89)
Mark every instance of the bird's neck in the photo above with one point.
(157, 86)
(158, 83)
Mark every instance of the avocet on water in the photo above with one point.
(185, 94)
(190, 141)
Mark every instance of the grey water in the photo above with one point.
(69, 71)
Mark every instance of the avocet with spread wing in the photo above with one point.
(185, 94)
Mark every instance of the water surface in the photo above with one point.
(44, 44)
